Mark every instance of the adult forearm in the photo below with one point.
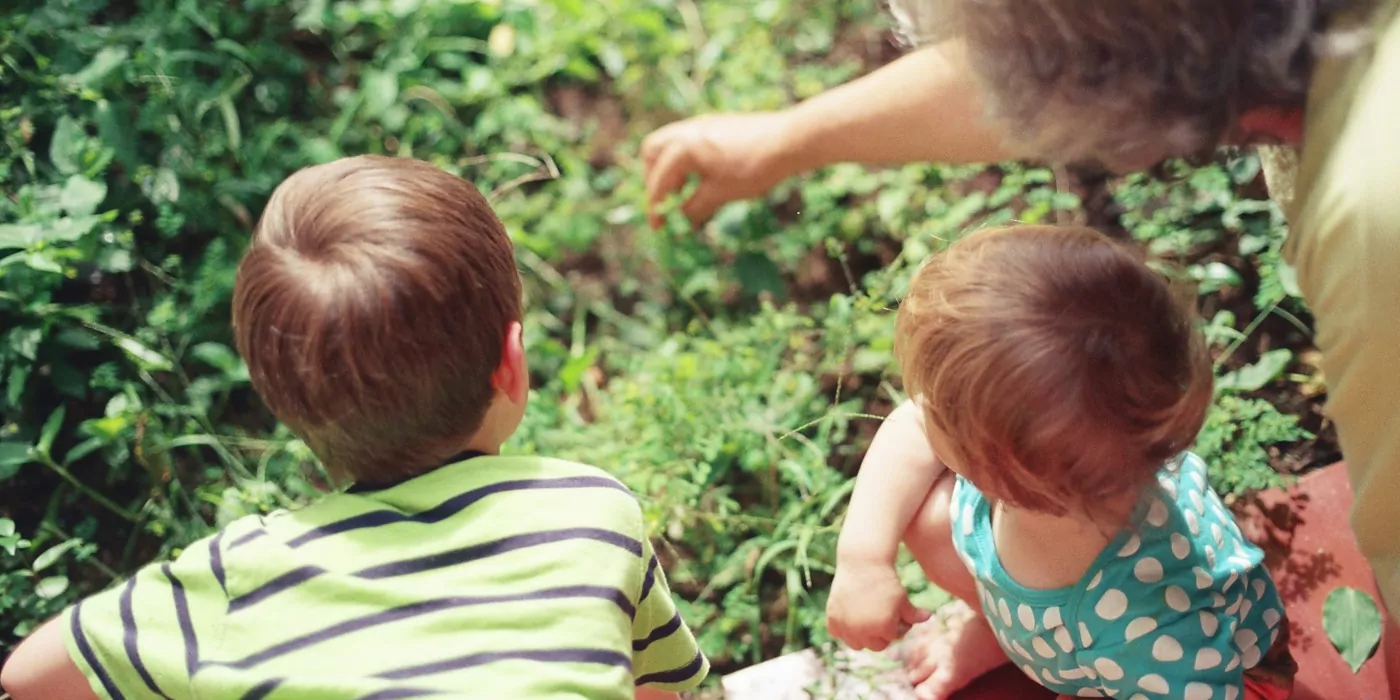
(924, 107)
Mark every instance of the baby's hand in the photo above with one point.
(868, 607)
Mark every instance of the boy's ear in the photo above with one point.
(512, 376)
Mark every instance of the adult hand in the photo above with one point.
(736, 156)
(868, 607)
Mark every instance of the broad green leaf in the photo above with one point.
(25, 342)
(51, 587)
(69, 142)
(114, 260)
(144, 356)
(7, 527)
(1215, 275)
(380, 90)
(14, 388)
(101, 65)
(758, 273)
(69, 228)
(571, 374)
(51, 427)
(163, 187)
(1353, 623)
(37, 260)
(82, 196)
(51, 555)
(218, 356)
(114, 128)
(18, 235)
(960, 213)
(1253, 377)
(311, 16)
(13, 455)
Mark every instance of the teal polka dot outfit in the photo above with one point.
(1178, 606)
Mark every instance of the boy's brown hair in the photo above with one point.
(372, 309)
(1060, 368)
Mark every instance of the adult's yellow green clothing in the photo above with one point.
(1345, 245)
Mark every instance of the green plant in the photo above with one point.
(731, 374)
(1227, 245)
(34, 587)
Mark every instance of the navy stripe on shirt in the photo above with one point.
(501, 546)
(182, 613)
(85, 648)
(650, 579)
(451, 506)
(276, 585)
(396, 693)
(678, 675)
(605, 657)
(263, 689)
(216, 561)
(129, 642)
(426, 607)
(658, 634)
(245, 539)
(440, 560)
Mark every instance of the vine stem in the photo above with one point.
(105, 502)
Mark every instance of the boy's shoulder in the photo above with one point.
(526, 481)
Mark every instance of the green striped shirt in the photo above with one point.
(495, 577)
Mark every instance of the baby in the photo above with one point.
(1039, 474)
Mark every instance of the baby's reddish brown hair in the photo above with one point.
(1057, 366)
(373, 309)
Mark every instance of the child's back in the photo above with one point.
(500, 577)
(379, 312)
(1040, 475)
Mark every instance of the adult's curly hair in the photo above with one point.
(1127, 83)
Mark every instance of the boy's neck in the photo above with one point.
(481, 445)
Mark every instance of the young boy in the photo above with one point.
(1040, 475)
(379, 311)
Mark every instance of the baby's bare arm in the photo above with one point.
(896, 476)
(40, 669)
(645, 693)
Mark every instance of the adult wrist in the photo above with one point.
(795, 147)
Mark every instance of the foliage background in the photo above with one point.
(731, 375)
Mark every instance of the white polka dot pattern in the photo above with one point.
(1132, 546)
(1139, 628)
(1166, 649)
(1109, 669)
(1177, 599)
(1207, 659)
(1174, 608)
(1148, 570)
(1027, 617)
(1062, 638)
(1154, 683)
(1181, 546)
(1112, 605)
